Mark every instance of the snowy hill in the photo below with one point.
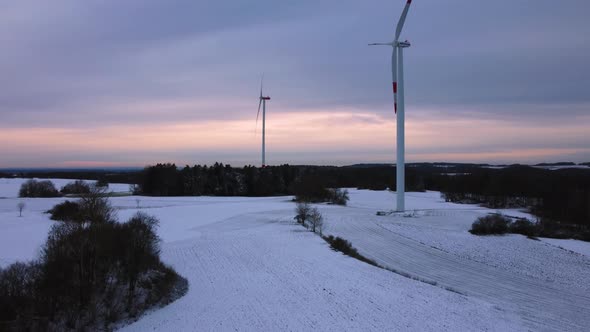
(251, 268)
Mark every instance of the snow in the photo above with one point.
(260, 272)
(558, 167)
(445, 226)
(580, 247)
(251, 268)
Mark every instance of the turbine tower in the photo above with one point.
(397, 73)
(262, 102)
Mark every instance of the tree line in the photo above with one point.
(560, 198)
(223, 180)
(559, 195)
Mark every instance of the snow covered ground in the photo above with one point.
(579, 247)
(250, 268)
(545, 285)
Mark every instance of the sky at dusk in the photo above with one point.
(130, 83)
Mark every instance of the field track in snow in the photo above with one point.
(541, 304)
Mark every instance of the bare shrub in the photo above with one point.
(95, 207)
(16, 290)
(490, 224)
(309, 217)
(524, 227)
(142, 246)
(345, 247)
(338, 196)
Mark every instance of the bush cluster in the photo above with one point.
(524, 227)
(91, 273)
(338, 196)
(490, 224)
(497, 224)
(66, 211)
(34, 188)
(77, 187)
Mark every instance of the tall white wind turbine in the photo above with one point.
(397, 73)
(262, 102)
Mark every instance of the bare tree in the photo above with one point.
(316, 220)
(20, 206)
(338, 196)
(137, 201)
(95, 207)
(302, 210)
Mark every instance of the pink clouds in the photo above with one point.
(341, 135)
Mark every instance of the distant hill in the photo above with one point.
(69, 170)
(562, 163)
(423, 164)
(370, 165)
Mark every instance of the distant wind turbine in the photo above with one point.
(262, 102)
(397, 73)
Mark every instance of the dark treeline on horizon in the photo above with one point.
(224, 180)
(110, 176)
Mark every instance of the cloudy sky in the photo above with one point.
(134, 82)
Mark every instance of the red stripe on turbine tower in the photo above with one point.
(394, 99)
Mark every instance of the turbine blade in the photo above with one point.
(394, 77)
(402, 20)
(257, 114)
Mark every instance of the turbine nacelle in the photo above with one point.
(403, 44)
(264, 98)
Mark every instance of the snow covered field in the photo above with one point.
(250, 268)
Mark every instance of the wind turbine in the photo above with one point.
(397, 73)
(262, 102)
